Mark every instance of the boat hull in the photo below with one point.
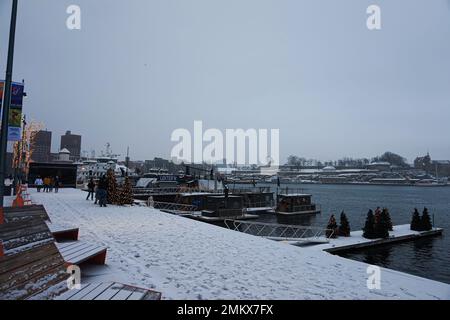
(298, 213)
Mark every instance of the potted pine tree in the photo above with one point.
(416, 222)
(426, 224)
(344, 228)
(369, 230)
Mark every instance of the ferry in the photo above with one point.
(96, 168)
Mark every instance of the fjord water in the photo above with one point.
(427, 257)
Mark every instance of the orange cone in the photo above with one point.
(18, 201)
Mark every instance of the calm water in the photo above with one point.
(428, 257)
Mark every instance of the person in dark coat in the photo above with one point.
(102, 191)
(56, 184)
(91, 188)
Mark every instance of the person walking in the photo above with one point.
(38, 183)
(8, 186)
(56, 184)
(102, 191)
(46, 184)
(91, 187)
(50, 184)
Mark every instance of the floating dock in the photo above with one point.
(400, 233)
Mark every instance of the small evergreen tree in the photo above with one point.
(126, 193)
(416, 221)
(387, 217)
(344, 228)
(382, 227)
(425, 221)
(332, 228)
(369, 231)
(113, 197)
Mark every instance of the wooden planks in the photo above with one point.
(110, 291)
(32, 263)
(24, 234)
(31, 211)
(79, 252)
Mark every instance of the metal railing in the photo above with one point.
(281, 232)
(287, 191)
(149, 191)
(174, 207)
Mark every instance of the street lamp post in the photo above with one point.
(7, 102)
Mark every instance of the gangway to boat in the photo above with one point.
(281, 232)
(175, 208)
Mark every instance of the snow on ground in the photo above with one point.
(187, 259)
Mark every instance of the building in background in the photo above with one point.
(41, 146)
(71, 142)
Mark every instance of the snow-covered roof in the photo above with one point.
(380, 163)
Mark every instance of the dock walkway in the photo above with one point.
(400, 233)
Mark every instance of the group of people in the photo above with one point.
(99, 190)
(47, 184)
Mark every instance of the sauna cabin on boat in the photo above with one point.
(223, 207)
(296, 204)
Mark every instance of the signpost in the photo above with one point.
(7, 102)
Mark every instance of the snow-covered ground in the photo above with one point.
(186, 259)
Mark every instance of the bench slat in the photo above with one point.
(98, 291)
(82, 257)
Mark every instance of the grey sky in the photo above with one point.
(140, 69)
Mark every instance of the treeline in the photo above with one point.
(392, 158)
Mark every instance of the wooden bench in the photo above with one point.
(78, 252)
(64, 234)
(109, 291)
(24, 234)
(18, 213)
(32, 264)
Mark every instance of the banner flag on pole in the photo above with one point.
(15, 112)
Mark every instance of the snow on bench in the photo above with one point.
(109, 291)
(31, 263)
(19, 213)
(78, 252)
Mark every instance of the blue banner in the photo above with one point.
(17, 90)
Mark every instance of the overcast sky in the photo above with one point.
(139, 69)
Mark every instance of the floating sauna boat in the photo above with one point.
(296, 204)
(257, 202)
(219, 208)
